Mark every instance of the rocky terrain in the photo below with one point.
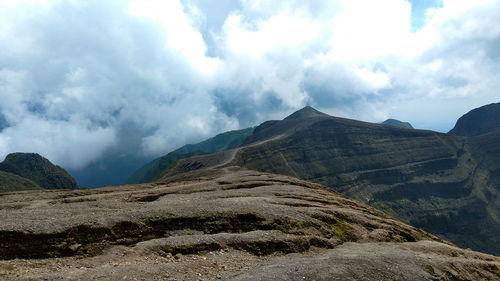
(35, 170)
(447, 185)
(219, 223)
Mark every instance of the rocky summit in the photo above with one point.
(219, 223)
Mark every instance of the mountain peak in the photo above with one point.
(24, 156)
(40, 170)
(305, 112)
(397, 123)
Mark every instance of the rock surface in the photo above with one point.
(218, 223)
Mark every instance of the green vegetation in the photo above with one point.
(11, 182)
(38, 170)
(430, 269)
(397, 123)
(160, 166)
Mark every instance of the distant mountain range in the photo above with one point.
(445, 184)
(24, 171)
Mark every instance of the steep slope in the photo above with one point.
(156, 168)
(12, 182)
(245, 225)
(478, 121)
(428, 179)
(397, 123)
(38, 169)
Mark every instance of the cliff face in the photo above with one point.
(478, 121)
(39, 170)
(446, 184)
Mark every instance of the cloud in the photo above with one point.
(52, 137)
(92, 67)
(84, 81)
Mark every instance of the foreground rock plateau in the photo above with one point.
(219, 223)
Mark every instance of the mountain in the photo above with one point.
(397, 123)
(224, 223)
(12, 182)
(445, 184)
(306, 112)
(478, 121)
(157, 168)
(37, 169)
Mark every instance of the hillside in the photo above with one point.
(397, 123)
(435, 181)
(12, 182)
(245, 225)
(482, 120)
(157, 168)
(37, 169)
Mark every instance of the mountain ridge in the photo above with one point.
(159, 166)
(305, 112)
(428, 179)
(481, 120)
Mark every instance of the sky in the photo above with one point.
(88, 82)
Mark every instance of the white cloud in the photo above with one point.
(52, 138)
(366, 30)
(283, 30)
(180, 33)
(179, 71)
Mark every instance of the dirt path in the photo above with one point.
(231, 154)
